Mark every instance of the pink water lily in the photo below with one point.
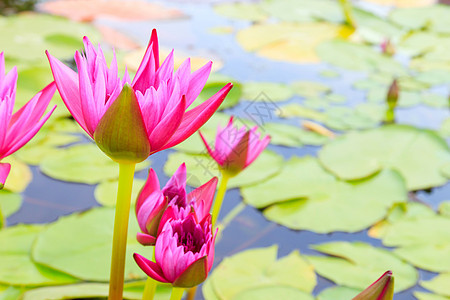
(236, 148)
(153, 201)
(153, 114)
(16, 129)
(184, 252)
(382, 289)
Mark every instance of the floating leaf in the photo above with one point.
(399, 147)
(338, 293)
(80, 245)
(106, 192)
(357, 265)
(427, 296)
(17, 265)
(202, 167)
(9, 202)
(241, 11)
(438, 284)
(292, 136)
(89, 290)
(213, 87)
(404, 3)
(357, 57)
(305, 204)
(434, 17)
(25, 37)
(83, 163)
(309, 88)
(19, 177)
(252, 272)
(273, 91)
(293, 42)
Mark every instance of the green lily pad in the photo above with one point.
(357, 265)
(445, 128)
(338, 293)
(202, 167)
(444, 208)
(273, 292)
(10, 292)
(330, 74)
(19, 177)
(83, 163)
(436, 100)
(213, 87)
(309, 88)
(434, 257)
(398, 147)
(81, 245)
(90, 290)
(304, 203)
(272, 90)
(17, 266)
(9, 202)
(106, 192)
(427, 296)
(357, 57)
(241, 11)
(251, 272)
(292, 136)
(25, 37)
(433, 17)
(438, 284)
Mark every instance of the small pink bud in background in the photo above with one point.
(382, 289)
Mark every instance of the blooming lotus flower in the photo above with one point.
(184, 252)
(382, 289)
(129, 120)
(235, 149)
(18, 128)
(152, 202)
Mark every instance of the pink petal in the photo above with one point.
(197, 82)
(67, 82)
(150, 186)
(145, 239)
(150, 268)
(167, 127)
(145, 75)
(4, 172)
(196, 117)
(214, 154)
(256, 150)
(205, 194)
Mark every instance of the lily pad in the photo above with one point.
(256, 271)
(26, 36)
(213, 87)
(81, 245)
(338, 293)
(357, 57)
(309, 88)
(427, 296)
(241, 11)
(9, 202)
(17, 266)
(293, 42)
(83, 163)
(304, 204)
(399, 147)
(272, 90)
(357, 265)
(106, 192)
(434, 17)
(19, 177)
(292, 136)
(438, 284)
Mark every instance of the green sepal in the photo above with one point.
(195, 274)
(121, 132)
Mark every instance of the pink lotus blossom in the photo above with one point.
(18, 128)
(157, 99)
(184, 252)
(382, 289)
(152, 202)
(235, 149)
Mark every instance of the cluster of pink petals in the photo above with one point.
(184, 252)
(153, 202)
(236, 148)
(18, 128)
(162, 94)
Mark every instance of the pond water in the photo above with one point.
(45, 199)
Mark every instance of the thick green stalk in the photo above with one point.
(177, 293)
(219, 197)
(150, 289)
(2, 219)
(126, 173)
(190, 294)
(347, 10)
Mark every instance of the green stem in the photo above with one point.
(150, 289)
(347, 10)
(177, 293)
(126, 174)
(2, 219)
(190, 295)
(390, 116)
(219, 197)
(150, 285)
